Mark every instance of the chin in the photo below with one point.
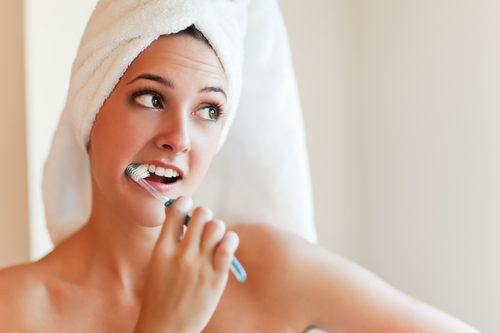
(146, 213)
(150, 224)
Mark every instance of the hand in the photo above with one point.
(187, 273)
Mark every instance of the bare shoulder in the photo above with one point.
(305, 265)
(274, 260)
(268, 236)
(284, 261)
(318, 288)
(265, 246)
(23, 291)
(21, 280)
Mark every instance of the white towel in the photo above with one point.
(261, 174)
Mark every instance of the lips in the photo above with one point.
(163, 177)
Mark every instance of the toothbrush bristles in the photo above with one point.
(137, 172)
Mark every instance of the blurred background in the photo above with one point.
(402, 114)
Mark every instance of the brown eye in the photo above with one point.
(208, 113)
(149, 101)
(156, 102)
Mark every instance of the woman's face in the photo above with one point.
(164, 112)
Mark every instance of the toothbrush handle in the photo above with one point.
(239, 272)
(186, 220)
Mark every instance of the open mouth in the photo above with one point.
(162, 175)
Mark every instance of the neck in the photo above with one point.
(124, 249)
(108, 251)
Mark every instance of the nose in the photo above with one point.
(173, 133)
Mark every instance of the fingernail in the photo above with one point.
(220, 223)
(233, 240)
(183, 203)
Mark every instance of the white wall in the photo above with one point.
(427, 97)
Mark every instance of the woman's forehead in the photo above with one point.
(175, 54)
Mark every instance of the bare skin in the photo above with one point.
(129, 269)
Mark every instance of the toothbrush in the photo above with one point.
(137, 172)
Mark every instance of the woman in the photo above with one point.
(131, 267)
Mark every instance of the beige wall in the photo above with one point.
(402, 117)
(427, 96)
(320, 36)
(14, 239)
(50, 51)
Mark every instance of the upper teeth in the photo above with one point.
(162, 172)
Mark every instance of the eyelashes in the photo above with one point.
(149, 98)
(214, 111)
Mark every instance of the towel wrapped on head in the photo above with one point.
(260, 175)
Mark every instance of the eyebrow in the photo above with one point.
(213, 89)
(161, 80)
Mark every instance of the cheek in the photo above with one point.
(114, 135)
(204, 159)
(113, 140)
(204, 150)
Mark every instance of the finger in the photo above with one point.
(212, 234)
(174, 220)
(192, 238)
(225, 251)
